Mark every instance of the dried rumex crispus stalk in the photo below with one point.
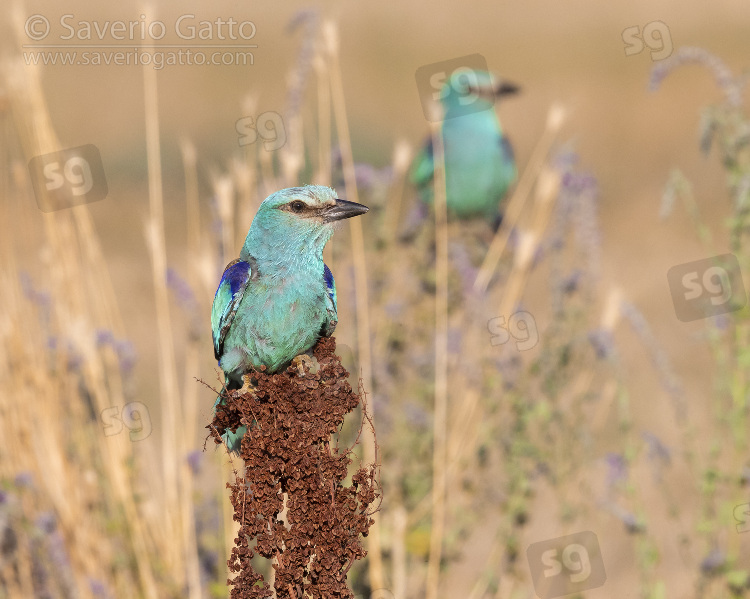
(288, 449)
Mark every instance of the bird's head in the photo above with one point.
(477, 89)
(298, 220)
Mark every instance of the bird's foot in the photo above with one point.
(299, 363)
(247, 386)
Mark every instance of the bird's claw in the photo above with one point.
(247, 386)
(299, 363)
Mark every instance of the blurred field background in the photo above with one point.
(622, 420)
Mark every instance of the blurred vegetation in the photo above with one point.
(539, 442)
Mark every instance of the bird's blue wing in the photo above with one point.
(507, 151)
(234, 281)
(331, 305)
(423, 167)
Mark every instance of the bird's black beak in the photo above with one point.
(505, 88)
(341, 210)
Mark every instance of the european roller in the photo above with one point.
(479, 161)
(279, 298)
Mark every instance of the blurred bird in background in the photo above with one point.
(279, 298)
(479, 162)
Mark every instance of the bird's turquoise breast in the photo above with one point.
(478, 171)
(276, 321)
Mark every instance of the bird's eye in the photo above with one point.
(297, 206)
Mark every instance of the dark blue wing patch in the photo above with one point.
(330, 285)
(507, 150)
(428, 148)
(331, 307)
(423, 168)
(328, 276)
(227, 299)
(236, 275)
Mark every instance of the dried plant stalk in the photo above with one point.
(439, 457)
(555, 119)
(289, 450)
(359, 259)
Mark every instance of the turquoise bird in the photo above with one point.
(279, 298)
(479, 162)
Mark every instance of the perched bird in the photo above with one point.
(479, 162)
(279, 298)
